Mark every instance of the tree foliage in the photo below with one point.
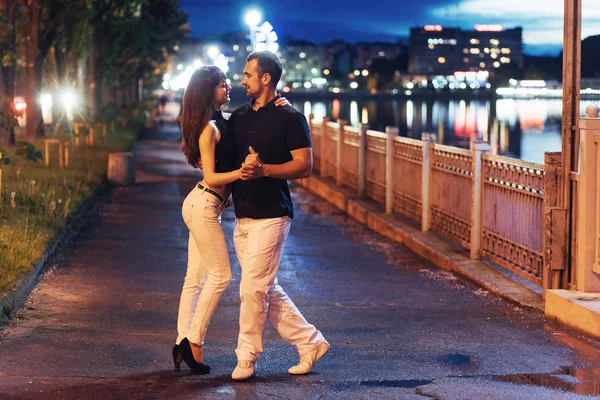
(590, 57)
(134, 38)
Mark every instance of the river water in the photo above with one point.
(519, 128)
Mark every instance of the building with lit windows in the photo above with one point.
(435, 50)
(302, 62)
(489, 47)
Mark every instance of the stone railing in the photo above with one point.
(493, 206)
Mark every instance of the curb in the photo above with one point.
(426, 244)
(13, 300)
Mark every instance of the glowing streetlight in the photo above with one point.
(69, 101)
(253, 18)
(213, 52)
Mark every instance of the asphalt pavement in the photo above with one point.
(101, 323)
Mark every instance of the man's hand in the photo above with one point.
(252, 158)
(252, 167)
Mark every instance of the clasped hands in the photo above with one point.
(252, 167)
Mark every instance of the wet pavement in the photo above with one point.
(101, 324)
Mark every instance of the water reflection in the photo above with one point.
(520, 128)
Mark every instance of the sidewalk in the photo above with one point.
(101, 324)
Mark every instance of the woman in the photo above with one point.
(206, 138)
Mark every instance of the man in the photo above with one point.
(273, 146)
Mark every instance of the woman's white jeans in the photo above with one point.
(259, 244)
(208, 271)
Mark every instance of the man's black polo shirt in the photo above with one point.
(272, 132)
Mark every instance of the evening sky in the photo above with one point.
(390, 20)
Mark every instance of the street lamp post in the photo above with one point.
(253, 18)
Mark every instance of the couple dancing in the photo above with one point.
(252, 154)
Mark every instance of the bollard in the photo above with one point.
(61, 154)
(121, 169)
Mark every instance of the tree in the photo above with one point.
(44, 20)
(8, 63)
(590, 57)
(73, 35)
(132, 40)
(542, 67)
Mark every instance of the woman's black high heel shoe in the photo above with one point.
(188, 357)
(177, 357)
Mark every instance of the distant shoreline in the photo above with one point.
(238, 95)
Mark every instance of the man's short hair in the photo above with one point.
(268, 62)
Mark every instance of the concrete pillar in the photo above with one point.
(338, 152)
(391, 132)
(478, 148)
(362, 160)
(428, 141)
(588, 208)
(323, 148)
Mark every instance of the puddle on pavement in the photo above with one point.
(585, 381)
(460, 360)
(408, 383)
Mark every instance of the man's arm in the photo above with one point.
(299, 167)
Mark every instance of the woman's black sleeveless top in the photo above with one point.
(225, 150)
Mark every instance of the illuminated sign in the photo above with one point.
(488, 28)
(433, 28)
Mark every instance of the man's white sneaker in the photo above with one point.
(243, 370)
(307, 360)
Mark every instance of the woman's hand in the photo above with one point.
(282, 102)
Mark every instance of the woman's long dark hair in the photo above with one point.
(198, 108)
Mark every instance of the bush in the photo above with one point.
(8, 117)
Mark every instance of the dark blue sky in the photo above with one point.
(388, 20)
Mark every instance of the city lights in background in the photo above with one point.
(68, 104)
(20, 106)
(262, 37)
(181, 78)
(433, 28)
(253, 17)
(46, 104)
(488, 28)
